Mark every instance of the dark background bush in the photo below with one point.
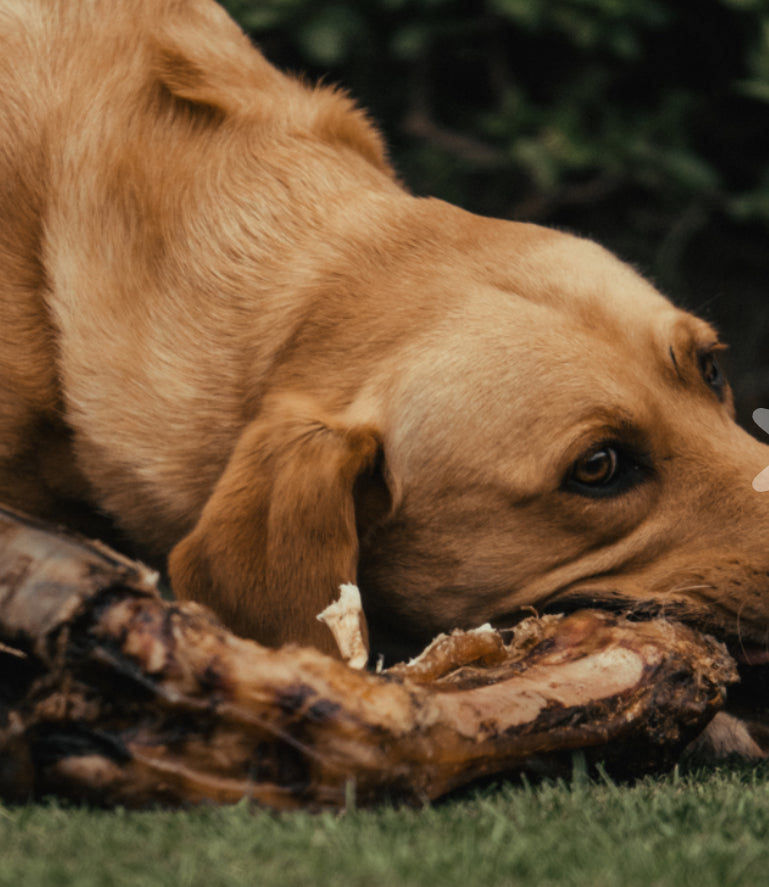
(641, 123)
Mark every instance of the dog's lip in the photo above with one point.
(751, 651)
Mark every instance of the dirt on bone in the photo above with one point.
(114, 696)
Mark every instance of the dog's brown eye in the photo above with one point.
(607, 470)
(597, 469)
(711, 372)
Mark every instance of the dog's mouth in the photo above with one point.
(748, 699)
(748, 644)
(744, 732)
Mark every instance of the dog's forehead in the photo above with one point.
(548, 267)
(533, 352)
(556, 295)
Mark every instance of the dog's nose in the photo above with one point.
(761, 480)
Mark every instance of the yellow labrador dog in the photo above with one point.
(225, 324)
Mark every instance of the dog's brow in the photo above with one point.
(600, 423)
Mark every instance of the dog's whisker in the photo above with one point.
(692, 588)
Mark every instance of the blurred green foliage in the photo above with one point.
(549, 96)
(644, 123)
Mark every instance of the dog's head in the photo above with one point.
(470, 417)
(566, 438)
(497, 417)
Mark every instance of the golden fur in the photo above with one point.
(228, 326)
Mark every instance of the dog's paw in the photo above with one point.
(725, 736)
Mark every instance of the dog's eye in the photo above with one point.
(596, 469)
(711, 372)
(607, 470)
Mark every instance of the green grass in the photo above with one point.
(708, 828)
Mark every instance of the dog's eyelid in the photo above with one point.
(695, 346)
(612, 427)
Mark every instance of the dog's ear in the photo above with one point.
(204, 60)
(279, 534)
(223, 73)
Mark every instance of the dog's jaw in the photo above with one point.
(746, 640)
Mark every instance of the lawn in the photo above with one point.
(700, 829)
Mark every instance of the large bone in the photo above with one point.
(114, 695)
